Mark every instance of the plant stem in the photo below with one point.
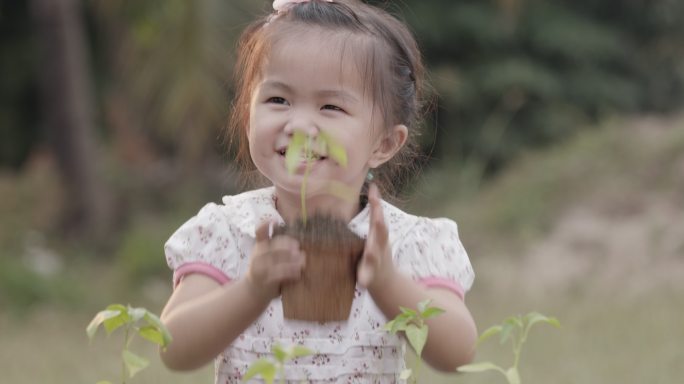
(123, 362)
(518, 347)
(307, 168)
(419, 369)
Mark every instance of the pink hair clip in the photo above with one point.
(283, 5)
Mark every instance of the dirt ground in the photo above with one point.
(622, 238)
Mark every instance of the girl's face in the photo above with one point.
(309, 84)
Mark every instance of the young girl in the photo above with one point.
(352, 72)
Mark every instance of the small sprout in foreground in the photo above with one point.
(269, 369)
(116, 316)
(516, 329)
(412, 323)
(303, 146)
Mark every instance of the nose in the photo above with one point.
(301, 121)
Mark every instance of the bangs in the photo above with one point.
(370, 56)
(358, 53)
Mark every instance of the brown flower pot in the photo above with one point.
(326, 289)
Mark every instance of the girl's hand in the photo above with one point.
(273, 262)
(376, 266)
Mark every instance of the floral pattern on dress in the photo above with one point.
(354, 351)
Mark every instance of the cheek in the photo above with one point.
(253, 142)
(259, 136)
(251, 132)
(255, 125)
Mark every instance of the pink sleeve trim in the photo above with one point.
(439, 282)
(202, 268)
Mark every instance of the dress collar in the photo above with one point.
(251, 208)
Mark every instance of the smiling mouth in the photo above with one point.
(312, 156)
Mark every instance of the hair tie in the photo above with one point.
(283, 5)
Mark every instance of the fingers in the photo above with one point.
(378, 230)
(281, 244)
(263, 230)
(377, 256)
(288, 271)
(284, 251)
(364, 275)
(281, 255)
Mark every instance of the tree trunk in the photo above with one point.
(67, 105)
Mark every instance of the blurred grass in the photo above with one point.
(598, 342)
(519, 205)
(51, 346)
(604, 339)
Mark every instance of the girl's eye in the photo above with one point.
(333, 108)
(276, 100)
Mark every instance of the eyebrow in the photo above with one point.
(276, 84)
(339, 93)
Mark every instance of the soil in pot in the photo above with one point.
(326, 289)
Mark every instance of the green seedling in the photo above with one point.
(134, 321)
(516, 329)
(305, 146)
(412, 323)
(269, 369)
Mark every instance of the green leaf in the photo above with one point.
(299, 351)
(104, 382)
(279, 353)
(431, 312)
(417, 337)
(408, 311)
(319, 144)
(136, 313)
(134, 363)
(117, 307)
(506, 332)
(294, 151)
(399, 323)
(262, 367)
(512, 375)
(423, 305)
(515, 321)
(489, 332)
(152, 334)
(100, 318)
(336, 152)
(554, 322)
(405, 374)
(112, 323)
(155, 322)
(389, 325)
(536, 317)
(153, 319)
(480, 367)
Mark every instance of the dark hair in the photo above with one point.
(392, 68)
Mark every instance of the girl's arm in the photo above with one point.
(452, 335)
(204, 317)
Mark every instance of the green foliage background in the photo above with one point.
(514, 74)
(508, 74)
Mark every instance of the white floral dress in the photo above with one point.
(218, 241)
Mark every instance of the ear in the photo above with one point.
(388, 145)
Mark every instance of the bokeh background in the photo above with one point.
(556, 141)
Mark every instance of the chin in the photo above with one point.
(294, 186)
